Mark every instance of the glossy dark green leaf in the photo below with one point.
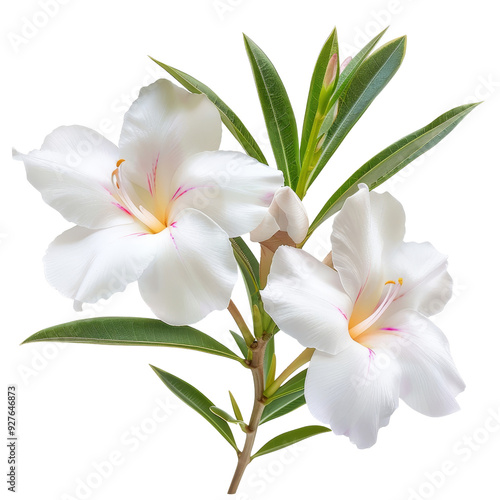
(132, 332)
(249, 267)
(392, 159)
(289, 438)
(278, 113)
(295, 384)
(196, 400)
(329, 48)
(279, 407)
(229, 118)
(367, 83)
(241, 343)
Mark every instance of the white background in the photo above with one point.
(79, 405)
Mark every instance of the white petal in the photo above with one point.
(307, 301)
(430, 381)
(355, 392)
(231, 188)
(286, 213)
(427, 285)
(88, 265)
(369, 226)
(72, 170)
(163, 127)
(194, 272)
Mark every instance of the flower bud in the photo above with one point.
(286, 214)
(331, 71)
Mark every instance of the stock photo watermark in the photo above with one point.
(130, 441)
(30, 26)
(462, 451)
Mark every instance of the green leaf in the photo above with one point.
(278, 113)
(392, 159)
(289, 438)
(236, 408)
(329, 48)
(294, 385)
(279, 407)
(268, 357)
(249, 268)
(271, 372)
(229, 118)
(225, 415)
(132, 332)
(196, 400)
(241, 343)
(348, 74)
(368, 81)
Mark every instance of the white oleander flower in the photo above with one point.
(368, 320)
(159, 208)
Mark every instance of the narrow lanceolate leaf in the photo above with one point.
(348, 74)
(289, 438)
(196, 400)
(268, 357)
(329, 48)
(241, 343)
(132, 332)
(225, 415)
(271, 372)
(229, 118)
(368, 81)
(282, 406)
(294, 385)
(278, 113)
(249, 268)
(392, 159)
(236, 408)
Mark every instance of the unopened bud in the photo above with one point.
(320, 143)
(345, 63)
(331, 71)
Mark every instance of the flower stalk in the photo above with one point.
(238, 319)
(258, 349)
(303, 358)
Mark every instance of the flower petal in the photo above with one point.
(307, 301)
(369, 226)
(353, 391)
(286, 213)
(72, 170)
(88, 265)
(193, 273)
(232, 188)
(430, 381)
(427, 285)
(164, 126)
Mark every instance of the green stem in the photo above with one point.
(238, 319)
(257, 367)
(301, 359)
(307, 164)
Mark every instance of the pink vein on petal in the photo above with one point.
(173, 240)
(390, 329)
(116, 204)
(341, 312)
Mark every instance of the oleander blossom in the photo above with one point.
(368, 320)
(159, 208)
